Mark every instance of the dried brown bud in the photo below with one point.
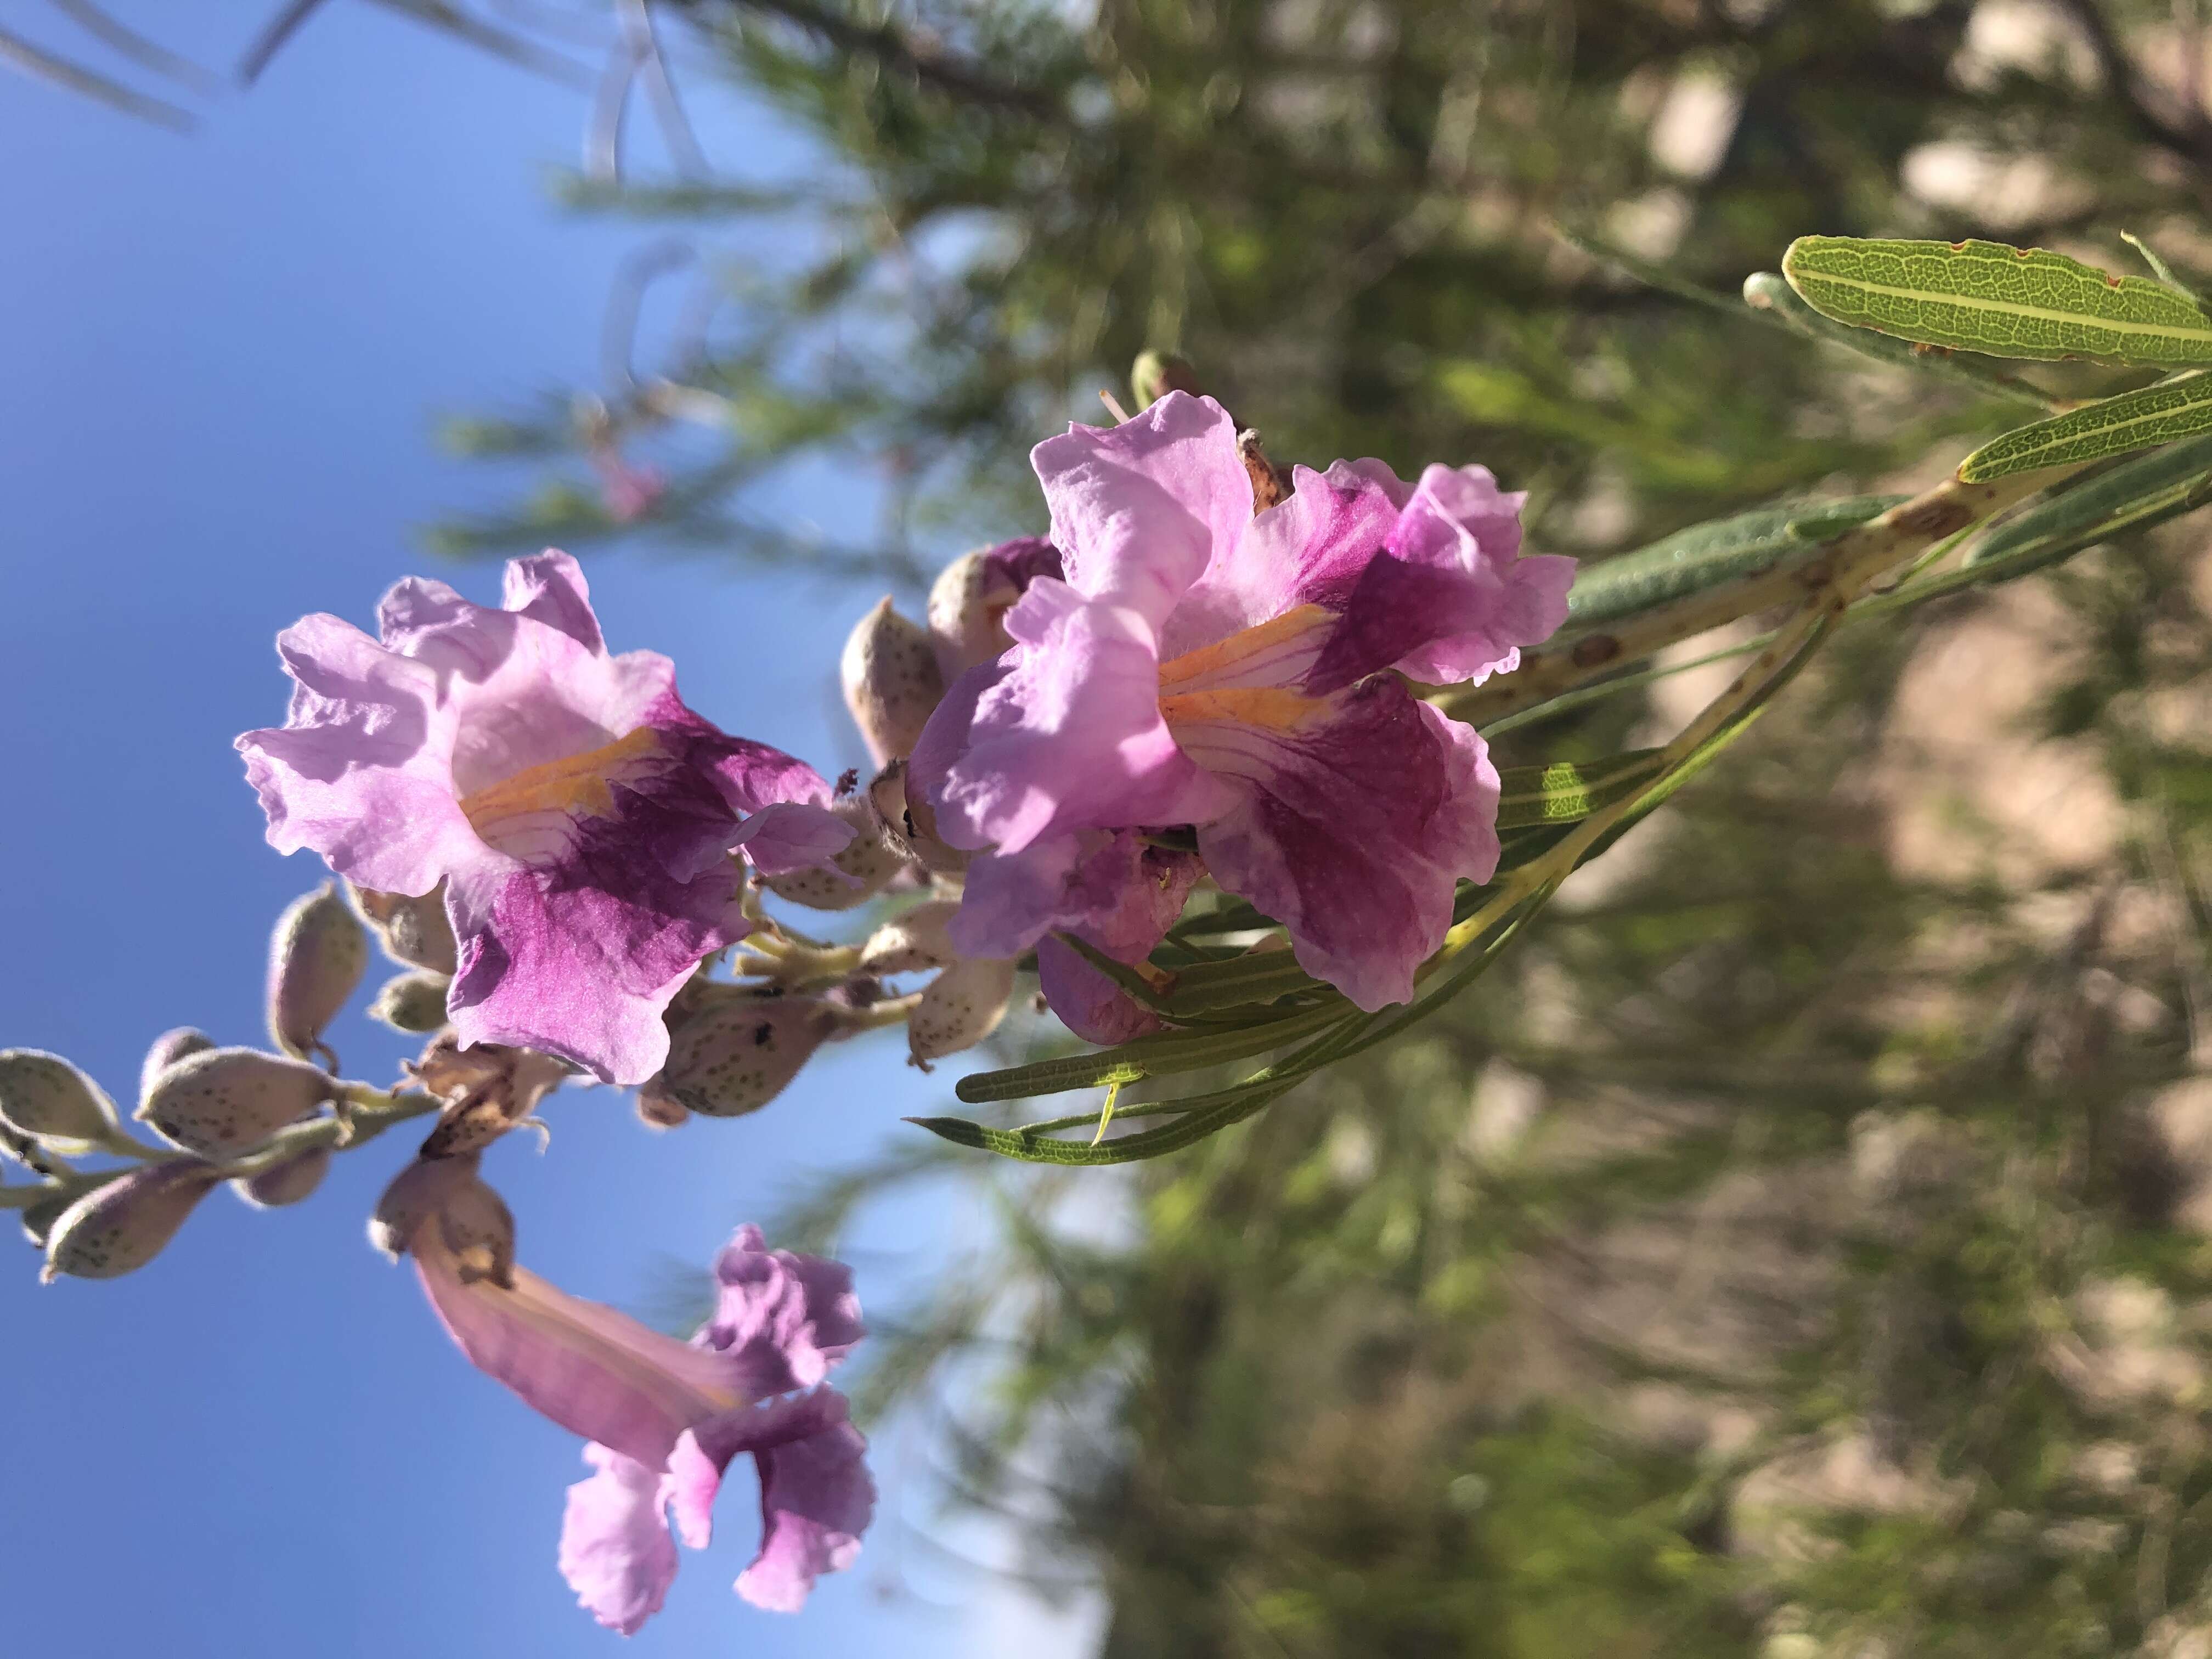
(892, 684)
(658, 1110)
(912, 940)
(413, 930)
(868, 859)
(119, 1227)
(317, 955)
(219, 1103)
(488, 1090)
(736, 1053)
(413, 1001)
(959, 1009)
(414, 1197)
(45, 1098)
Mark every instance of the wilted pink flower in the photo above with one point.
(665, 1418)
(1201, 665)
(580, 817)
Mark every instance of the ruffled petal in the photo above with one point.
(789, 836)
(616, 1551)
(1451, 598)
(1069, 735)
(783, 1318)
(1140, 509)
(1362, 813)
(595, 1371)
(1123, 899)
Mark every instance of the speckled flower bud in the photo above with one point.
(46, 1099)
(222, 1102)
(912, 940)
(959, 1009)
(478, 1228)
(968, 602)
(736, 1053)
(892, 684)
(868, 859)
(909, 824)
(412, 931)
(414, 1197)
(413, 1001)
(119, 1227)
(285, 1182)
(168, 1048)
(316, 959)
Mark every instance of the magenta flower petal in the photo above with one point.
(782, 1319)
(582, 818)
(616, 1551)
(1360, 821)
(1121, 899)
(597, 1372)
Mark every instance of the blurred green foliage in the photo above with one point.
(1794, 1249)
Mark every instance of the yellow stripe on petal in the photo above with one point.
(579, 786)
(1244, 652)
(1270, 707)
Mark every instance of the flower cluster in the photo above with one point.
(1208, 676)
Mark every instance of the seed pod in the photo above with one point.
(892, 684)
(46, 1098)
(736, 1053)
(412, 931)
(867, 860)
(316, 959)
(222, 1101)
(909, 824)
(414, 1197)
(912, 940)
(413, 1001)
(959, 1009)
(287, 1182)
(168, 1048)
(119, 1227)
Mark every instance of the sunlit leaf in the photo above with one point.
(2006, 302)
(2134, 420)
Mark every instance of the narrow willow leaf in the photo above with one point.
(1708, 555)
(1566, 792)
(1770, 295)
(1159, 1055)
(2133, 420)
(1254, 977)
(2160, 269)
(2105, 504)
(2005, 302)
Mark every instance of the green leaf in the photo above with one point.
(1708, 555)
(1159, 1055)
(1772, 297)
(2008, 302)
(2104, 506)
(2133, 420)
(1565, 792)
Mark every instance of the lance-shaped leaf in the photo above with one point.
(2133, 420)
(1706, 555)
(1567, 791)
(2149, 487)
(2005, 302)
(1159, 1055)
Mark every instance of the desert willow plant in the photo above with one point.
(1206, 764)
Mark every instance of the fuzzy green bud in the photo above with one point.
(912, 940)
(168, 1048)
(317, 955)
(413, 1001)
(45, 1099)
(413, 930)
(222, 1102)
(868, 859)
(118, 1227)
(1156, 373)
(287, 1182)
(738, 1052)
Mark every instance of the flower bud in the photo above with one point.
(1156, 373)
(316, 959)
(892, 684)
(39, 1219)
(43, 1097)
(657, 1110)
(414, 1197)
(119, 1227)
(412, 931)
(736, 1053)
(287, 1182)
(909, 824)
(868, 859)
(959, 1009)
(222, 1101)
(478, 1228)
(912, 940)
(968, 602)
(168, 1048)
(413, 1001)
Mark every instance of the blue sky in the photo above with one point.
(219, 358)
